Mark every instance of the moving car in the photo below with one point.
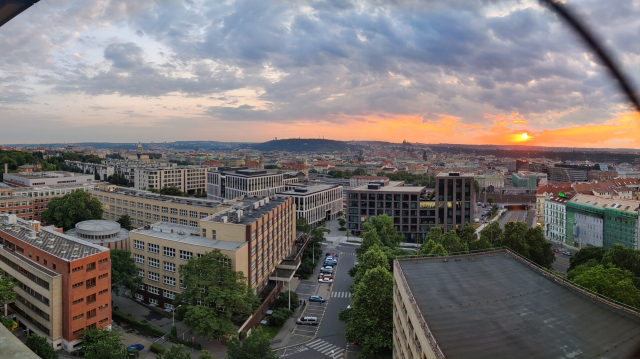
(327, 270)
(328, 264)
(137, 347)
(325, 280)
(307, 321)
(316, 298)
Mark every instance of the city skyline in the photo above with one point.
(450, 72)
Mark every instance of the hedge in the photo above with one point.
(145, 327)
(157, 348)
(194, 345)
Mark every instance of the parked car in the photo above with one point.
(567, 253)
(328, 270)
(307, 320)
(137, 347)
(556, 250)
(316, 298)
(325, 280)
(328, 264)
(325, 275)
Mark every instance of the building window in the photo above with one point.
(156, 217)
(139, 222)
(154, 277)
(153, 248)
(91, 298)
(193, 224)
(141, 273)
(156, 208)
(165, 219)
(165, 210)
(91, 283)
(184, 255)
(213, 234)
(182, 286)
(78, 316)
(169, 252)
(174, 211)
(155, 263)
(183, 212)
(139, 296)
(147, 207)
(174, 220)
(193, 214)
(91, 313)
(102, 276)
(153, 301)
(169, 281)
(138, 258)
(167, 305)
(183, 222)
(168, 266)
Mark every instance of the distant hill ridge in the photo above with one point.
(305, 145)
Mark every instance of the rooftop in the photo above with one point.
(132, 193)
(393, 186)
(494, 305)
(46, 239)
(48, 174)
(185, 234)
(455, 174)
(247, 213)
(625, 205)
(303, 190)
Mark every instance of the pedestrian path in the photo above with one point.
(340, 294)
(325, 348)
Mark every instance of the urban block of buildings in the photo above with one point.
(63, 283)
(189, 179)
(499, 305)
(316, 203)
(228, 183)
(258, 237)
(53, 178)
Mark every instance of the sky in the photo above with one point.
(440, 71)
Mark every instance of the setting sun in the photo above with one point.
(524, 136)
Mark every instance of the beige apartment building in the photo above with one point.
(190, 179)
(145, 207)
(256, 236)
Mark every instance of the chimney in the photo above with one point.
(34, 225)
(6, 168)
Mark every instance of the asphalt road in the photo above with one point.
(328, 338)
(562, 261)
(513, 216)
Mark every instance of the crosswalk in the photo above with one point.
(325, 348)
(347, 254)
(340, 294)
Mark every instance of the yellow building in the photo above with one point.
(257, 236)
(145, 207)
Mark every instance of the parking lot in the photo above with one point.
(314, 309)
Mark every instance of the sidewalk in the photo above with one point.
(143, 314)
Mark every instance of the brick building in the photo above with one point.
(63, 283)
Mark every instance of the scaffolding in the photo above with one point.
(618, 226)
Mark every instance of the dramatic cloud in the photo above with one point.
(469, 71)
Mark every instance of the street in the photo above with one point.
(562, 261)
(326, 340)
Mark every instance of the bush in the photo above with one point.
(283, 301)
(145, 327)
(174, 331)
(279, 316)
(157, 348)
(187, 343)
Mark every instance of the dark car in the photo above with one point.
(556, 250)
(316, 298)
(137, 347)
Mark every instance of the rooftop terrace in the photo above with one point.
(495, 305)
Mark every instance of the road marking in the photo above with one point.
(325, 347)
(341, 294)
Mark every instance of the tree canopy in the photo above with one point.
(611, 282)
(125, 222)
(64, 212)
(302, 225)
(124, 272)
(255, 346)
(468, 233)
(169, 191)
(103, 344)
(6, 289)
(373, 258)
(177, 351)
(369, 322)
(40, 347)
(586, 254)
(214, 294)
(387, 233)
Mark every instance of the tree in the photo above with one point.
(342, 222)
(302, 225)
(125, 222)
(205, 355)
(490, 200)
(492, 234)
(103, 344)
(340, 214)
(6, 289)
(427, 247)
(438, 251)
(316, 235)
(611, 282)
(623, 258)
(175, 352)
(387, 233)
(124, 272)
(283, 300)
(515, 238)
(451, 243)
(371, 332)
(223, 293)
(66, 211)
(476, 186)
(369, 240)
(468, 233)
(584, 255)
(255, 346)
(435, 234)
(40, 347)
(479, 244)
(539, 248)
(373, 258)
(173, 191)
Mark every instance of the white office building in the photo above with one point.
(316, 203)
(191, 179)
(234, 182)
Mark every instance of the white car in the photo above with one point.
(325, 280)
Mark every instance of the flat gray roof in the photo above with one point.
(189, 235)
(310, 189)
(492, 305)
(394, 186)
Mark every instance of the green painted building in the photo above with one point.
(602, 222)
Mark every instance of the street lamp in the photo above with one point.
(173, 314)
